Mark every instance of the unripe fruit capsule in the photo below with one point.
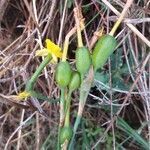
(63, 74)
(103, 49)
(83, 60)
(75, 81)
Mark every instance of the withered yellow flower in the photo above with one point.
(23, 95)
(51, 48)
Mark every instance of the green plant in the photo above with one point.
(68, 81)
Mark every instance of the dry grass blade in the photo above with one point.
(3, 6)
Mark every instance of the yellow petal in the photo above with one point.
(23, 95)
(42, 52)
(51, 45)
(56, 53)
(54, 60)
(53, 48)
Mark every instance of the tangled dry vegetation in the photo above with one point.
(122, 88)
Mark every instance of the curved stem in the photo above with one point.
(66, 43)
(31, 82)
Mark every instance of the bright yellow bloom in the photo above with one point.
(52, 49)
(23, 95)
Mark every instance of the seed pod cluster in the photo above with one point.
(103, 49)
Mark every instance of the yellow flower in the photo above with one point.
(23, 95)
(51, 48)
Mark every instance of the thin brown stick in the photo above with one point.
(77, 16)
(3, 6)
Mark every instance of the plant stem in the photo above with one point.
(42, 97)
(122, 15)
(67, 117)
(84, 91)
(61, 121)
(67, 110)
(77, 122)
(31, 82)
(66, 43)
(62, 106)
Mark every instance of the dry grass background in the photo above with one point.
(22, 30)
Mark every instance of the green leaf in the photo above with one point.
(133, 133)
(102, 77)
(116, 60)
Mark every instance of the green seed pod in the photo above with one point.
(63, 74)
(83, 60)
(75, 81)
(103, 49)
(65, 134)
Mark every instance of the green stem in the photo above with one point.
(58, 140)
(77, 122)
(42, 97)
(67, 110)
(62, 106)
(31, 82)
